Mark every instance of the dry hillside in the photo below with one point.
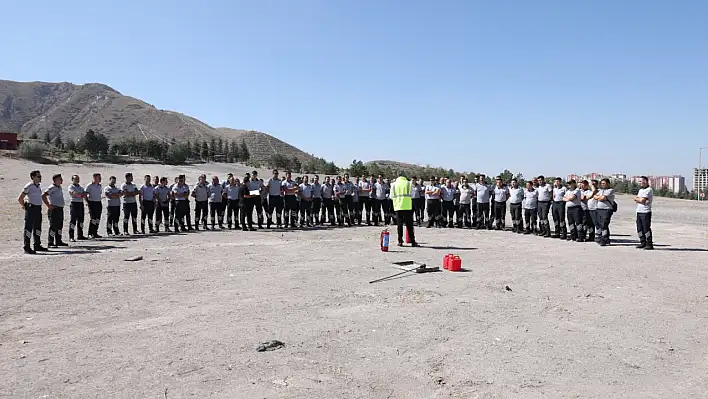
(70, 110)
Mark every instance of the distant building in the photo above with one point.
(618, 177)
(8, 141)
(700, 179)
(676, 183)
(587, 176)
(573, 177)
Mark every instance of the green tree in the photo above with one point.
(234, 151)
(212, 148)
(357, 168)
(197, 149)
(220, 146)
(47, 138)
(295, 165)
(57, 142)
(70, 144)
(93, 144)
(34, 136)
(330, 169)
(176, 154)
(245, 155)
(205, 151)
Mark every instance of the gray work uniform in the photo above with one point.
(76, 210)
(604, 213)
(530, 206)
(33, 214)
(94, 191)
(55, 197)
(545, 193)
(516, 197)
(644, 232)
(574, 214)
(558, 212)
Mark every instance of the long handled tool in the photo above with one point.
(420, 269)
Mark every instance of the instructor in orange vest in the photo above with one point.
(401, 191)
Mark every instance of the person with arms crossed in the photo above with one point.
(216, 194)
(516, 197)
(147, 205)
(76, 208)
(644, 198)
(305, 202)
(53, 198)
(95, 206)
(200, 192)
(162, 199)
(545, 193)
(130, 204)
(530, 205)
(558, 210)
(113, 195)
(573, 208)
(32, 193)
(605, 199)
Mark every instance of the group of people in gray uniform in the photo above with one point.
(580, 211)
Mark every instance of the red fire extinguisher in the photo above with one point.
(385, 237)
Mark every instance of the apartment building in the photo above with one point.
(700, 179)
(676, 183)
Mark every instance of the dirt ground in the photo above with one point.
(580, 321)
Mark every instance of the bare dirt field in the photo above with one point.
(580, 321)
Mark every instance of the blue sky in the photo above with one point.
(552, 87)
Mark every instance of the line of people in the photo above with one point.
(580, 212)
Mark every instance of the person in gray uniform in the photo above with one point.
(530, 206)
(594, 228)
(357, 207)
(147, 205)
(76, 208)
(447, 192)
(573, 208)
(348, 201)
(545, 193)
(216, 208)
(275, 200)
(644, 198)
(257, 204)
(432, 199)
(605, 206)
(53, 198)
(516, 197)
(180, 192)
(130, 204)
(32, 193)
(306, 202)
(113, 195)
(456, 200)
(558, 210)
(415, 199)
(200, 193)
(225, 184)
(379, 198)
(484, 193)
(389, 214)
(501, 196)
(473, 205)
(340, 191)
(162, 199)
(173, 202)
(247, 202)
(464, 211)
(584, 213)
(365, 189)
(289, 189)
(328, 202)
(232, 199)
(94, 191)
(316, 200)
(264, 200)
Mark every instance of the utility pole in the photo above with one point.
(700, 168)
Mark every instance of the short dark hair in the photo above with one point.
(148, 176)
(572, 181)
(606, 180)
(163, 179)
(255, 172)
(96, 175)
(514, 179)
(541, 177)
(559, 179)
(645, 178)
(585, 182)
(57, 176)
(112, 177)
(34, 174)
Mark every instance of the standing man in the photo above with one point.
(594, 229)
(644, 198)
(416, 198)
(530, 207)
(275, 200)
(76, 210)
(200, 192)
(113, 195)
(473, 206)
(290, 188)
(224, 203)
(130, 204)
(305, 202)
(584, 213)
(356, 202)
(173, 203)
(483, 199)
(432, 199)
(464, 211)
(365, 188)
(232, 197)
(250, 195)
(401, 192)
(162, 198)
(545, 193)
(573, 201)
(53, 198)
(380, 197)
(147, 205)
(605, 204)
(316, 200)
(448, 203)
(328, 202)
(94, 191)
(516, 197)
(501, 195)
(340, 191)
(32, 191)
(257, 205)
(348, 203)
(216, 206)
(180, 192)
(558, 210)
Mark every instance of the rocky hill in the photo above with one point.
(388, 167)
(38, 108)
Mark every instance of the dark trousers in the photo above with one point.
(405, 218)
(130, 210)
(387, 206)
(181, 213)
(434, 211)
(576, 230)
(345, 205)
(258, 206)
(545, 225)
(201, 209)
(328, 207)
(95, 208)
(418, 207)
(232, 213)
(377, 211)
(113, 219)
(148, 213)
(644, 229)
(366, 206)
(604, 216)
(56, 221)
(559, 226)
(305, 212)
(173, 208)
(531, 216)
(475, 211)
(596, 226)
(162, 212)
(517, 220)
(216, 213)
(275, 203)
(589, 224)
(316, 206)
(291, 210)
(500, 215)
(357, 210)
(483, 219)
(448, 212)
(33, 225)
(464, 215)
(76, 219)
(247, 213)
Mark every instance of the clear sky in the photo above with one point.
(552, 87)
